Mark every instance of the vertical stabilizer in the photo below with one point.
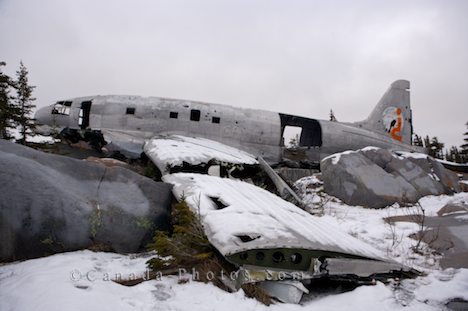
(392, 115)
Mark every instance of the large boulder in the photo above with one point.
(51, 203)
(375, 177)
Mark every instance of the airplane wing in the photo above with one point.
(126, 142)
(168, 151)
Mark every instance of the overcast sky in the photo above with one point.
(298, 57)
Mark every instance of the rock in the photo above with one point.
(381, 157)
(356, 180)
(51, 203)
(463, 185)
(424, 183)
(447, 178)
(451, 208)
(374, 177)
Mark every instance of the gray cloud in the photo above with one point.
(300, 57)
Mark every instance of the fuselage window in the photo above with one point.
(130, 110)
(62, 107)
(215, 120)
(173, 115)
(195, 115)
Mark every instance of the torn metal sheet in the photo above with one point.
(358, 267)
(285, 291)
(283, 188)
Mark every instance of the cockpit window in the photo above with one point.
(62, 107)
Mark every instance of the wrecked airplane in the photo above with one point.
(279, 245)
(125, 123)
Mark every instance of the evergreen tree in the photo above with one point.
(427, 142)
(454, 155)
(24, 104)
(417, 140)
(7, 109)
(436, 148)
(294, 142)
(449, 155)
(332, 116)
(464, 147)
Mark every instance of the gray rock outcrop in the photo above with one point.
(51, 203)
(374, 177)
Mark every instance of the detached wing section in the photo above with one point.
(252, 227)
(239, 216)
(169, 151)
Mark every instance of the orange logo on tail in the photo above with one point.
(393, 122)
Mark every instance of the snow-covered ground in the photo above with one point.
(81, 280)
(38, 138)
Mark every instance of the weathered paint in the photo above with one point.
(133, 119)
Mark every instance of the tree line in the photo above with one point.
(16, 104)
(435, 148)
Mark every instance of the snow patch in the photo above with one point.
(413, 155)
(47, 284)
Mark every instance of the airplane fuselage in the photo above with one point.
(256, 131)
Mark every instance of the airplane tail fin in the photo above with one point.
(392, 115)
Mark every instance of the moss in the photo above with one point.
(144, 223)
(187, 246)
(253, 290)
(49, 241)
(95, 222)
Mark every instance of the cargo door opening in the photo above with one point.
(83, 118)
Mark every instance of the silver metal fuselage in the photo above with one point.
(256, 131)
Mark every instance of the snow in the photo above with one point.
(50, 283)
(393, 239)
(38, 139)
(173, 150)
(414, 155)
(368, 225)
(336, 156)
(369, 148)
(306, 188)
(432, 204)
(452, 163)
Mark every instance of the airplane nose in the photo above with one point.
(42, 116)
(43, 119)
